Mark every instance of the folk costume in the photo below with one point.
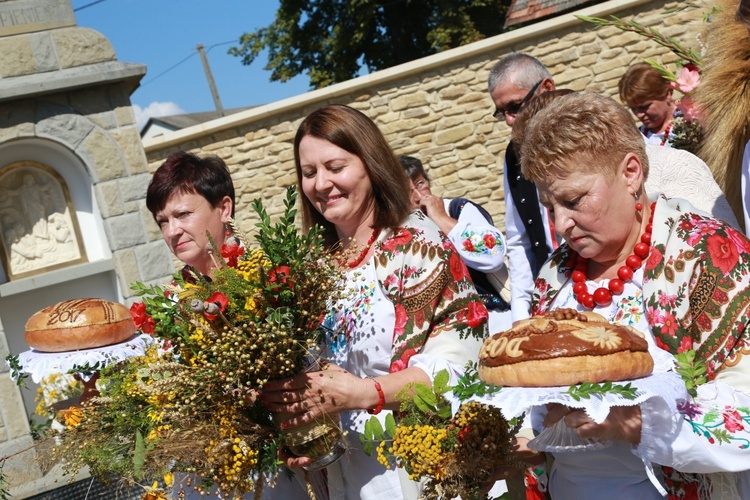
(409, 305)
(695, 295)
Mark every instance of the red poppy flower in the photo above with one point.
(468, 245)
(220, 300)
(282, 276)
(142, 320)
(231, 254)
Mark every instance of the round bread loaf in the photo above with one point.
(79, 324)
(561, 348)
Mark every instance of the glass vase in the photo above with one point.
(322, 440)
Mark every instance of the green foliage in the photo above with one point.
(16, 370)
(331, 40)
(586, 390)
(469, 384)
(686, 54)
(692, 370)
(163, 309)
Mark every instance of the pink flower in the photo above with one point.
(688, 80)
(687, 107)
(732, 419)
(654, 316)
(403, 362)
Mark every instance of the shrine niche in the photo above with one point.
(38, 227)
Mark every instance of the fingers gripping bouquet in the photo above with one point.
(191, 404)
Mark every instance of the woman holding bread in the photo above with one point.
(674, 273)
(411, 299)
(188, 197)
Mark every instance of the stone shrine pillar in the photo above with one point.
(73, 177)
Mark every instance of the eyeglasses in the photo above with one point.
(514, 107)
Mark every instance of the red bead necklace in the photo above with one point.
(603, 296)
(358, 260)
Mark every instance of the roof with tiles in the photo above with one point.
(524, 11)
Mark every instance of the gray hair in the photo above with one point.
(522, 69)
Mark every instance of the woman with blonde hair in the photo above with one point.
(658, 265)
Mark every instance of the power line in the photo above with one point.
(168, 70)
(88, 5)
(182, 61)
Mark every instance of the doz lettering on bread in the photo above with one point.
(564, 347)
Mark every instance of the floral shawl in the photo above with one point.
(696, 284)
(696, 296)
(421, 272)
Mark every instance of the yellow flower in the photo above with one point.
(72, 416)
(168, 479)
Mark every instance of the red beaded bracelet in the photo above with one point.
(381, 398)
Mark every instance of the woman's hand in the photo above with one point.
(622, 424)
(310, 395)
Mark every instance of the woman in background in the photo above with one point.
(649, 97)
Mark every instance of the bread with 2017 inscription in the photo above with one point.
(564, 347)
(79, 324)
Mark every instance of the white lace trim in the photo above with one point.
(40, 364)
(514, 401)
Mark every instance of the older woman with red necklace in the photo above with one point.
(676, 274)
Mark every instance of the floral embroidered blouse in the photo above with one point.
(409, 305)
(696, 296)
(480, 244)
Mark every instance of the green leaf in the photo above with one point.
(425, 394)
(377, 429)
(390, 424)
(445, 412)
(139, 455)
(423, 407)
(440, 383)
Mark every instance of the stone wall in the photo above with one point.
(436, 108)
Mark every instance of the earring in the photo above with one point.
(231, 239)
(638, 205)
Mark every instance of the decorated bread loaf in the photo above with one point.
(564, 347)
(79, 324)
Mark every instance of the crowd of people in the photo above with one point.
(584, 187)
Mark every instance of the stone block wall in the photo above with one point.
(436, 108)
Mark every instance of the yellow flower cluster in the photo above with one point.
(420, 449)
(53, 389)
(72, 416)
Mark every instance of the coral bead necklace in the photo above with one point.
(603, 296)
(358, 260)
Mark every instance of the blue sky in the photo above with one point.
(163, 35)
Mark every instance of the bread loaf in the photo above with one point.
(561, 348)
(79, 324)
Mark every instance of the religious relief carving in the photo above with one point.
(39, 229)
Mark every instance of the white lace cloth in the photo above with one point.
(663, 383)
(40, 364)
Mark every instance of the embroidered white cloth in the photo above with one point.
(40, 364)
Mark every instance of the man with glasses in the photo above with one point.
(513, 81)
